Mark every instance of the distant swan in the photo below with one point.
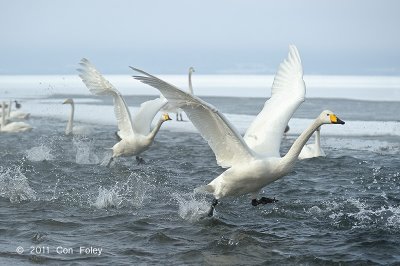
(254, 160)
(71, 129)
(135, 135)
(14, 115)
(70, 124)
(12, 127)
(313, 150)
(178, 111)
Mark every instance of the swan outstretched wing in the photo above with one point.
(288, 92)
(145, 115)
(98, 85)
(225, 141)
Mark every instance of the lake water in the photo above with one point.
(59, 205)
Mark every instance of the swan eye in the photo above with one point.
(327, 114)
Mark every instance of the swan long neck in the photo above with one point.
(190, 82)
(70, 123)
(294, 151)
(9, 110)
(155, 130)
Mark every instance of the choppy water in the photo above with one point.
(55, 197)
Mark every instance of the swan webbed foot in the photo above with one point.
(211, 211)
(139, 160)
(263, 200)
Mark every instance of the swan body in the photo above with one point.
(19, 115)
(253, 161)
(12, 127)
(135, 134)
(313, 150)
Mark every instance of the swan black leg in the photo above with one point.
(117, 136)
(110, 161)
(211, 211)
(139, 160)
(263, 200)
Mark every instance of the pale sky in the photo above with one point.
(214, 36)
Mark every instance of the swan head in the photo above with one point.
(191, 70)
(328, 117)
(69, 100)
(165, 117)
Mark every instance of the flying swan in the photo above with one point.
(12, 127)
(254, 160)
(135, 136)
(313, 150)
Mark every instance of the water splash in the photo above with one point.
(356, 213)
(132, 192)
(190, 207)
(107, 198)
(39, 154)
(14, 185)
(84, 151)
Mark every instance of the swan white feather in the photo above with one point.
(173, 109)
(98, 85)
(287, 93)
(226, 142)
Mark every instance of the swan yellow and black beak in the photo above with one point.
(336, 120)
(166, 117)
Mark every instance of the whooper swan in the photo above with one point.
(253, 161)
(135, 135)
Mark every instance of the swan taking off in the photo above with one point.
(313, 150)
(253, 161)
(12, 127)
(135, 135)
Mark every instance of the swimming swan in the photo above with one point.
(135, 135)
(70, 124)
(17, 114)
(71, 129)
(12, 127)
(313, 150)
(254, 160)
(11, 115)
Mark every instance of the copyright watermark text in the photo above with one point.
(60, 250)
